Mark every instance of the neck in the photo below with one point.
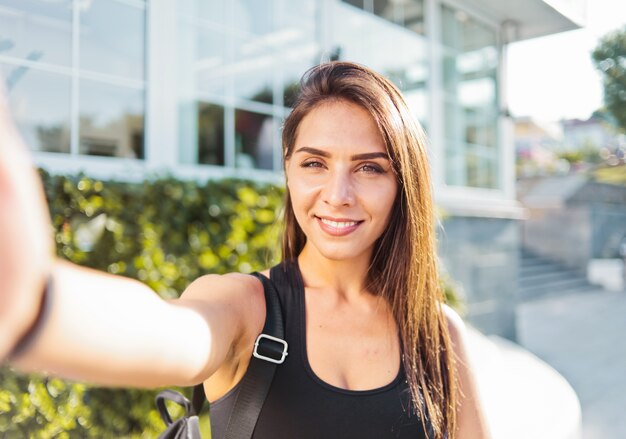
(346, 277)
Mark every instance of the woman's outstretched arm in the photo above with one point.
(116, 331)
(101, 328)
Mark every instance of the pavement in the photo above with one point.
(523, 397)
(582, 336)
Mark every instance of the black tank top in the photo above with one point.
(300, 405)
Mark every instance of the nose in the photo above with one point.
(338, 189)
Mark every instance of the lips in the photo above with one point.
(338, 226)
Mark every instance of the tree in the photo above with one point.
(609, 58)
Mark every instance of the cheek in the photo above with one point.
(388, 212)
(303, 190)
(299, 200)
(382, 198)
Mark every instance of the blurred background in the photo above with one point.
(156, 125)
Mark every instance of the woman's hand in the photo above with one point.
(25, 236)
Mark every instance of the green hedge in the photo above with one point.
(165, 233)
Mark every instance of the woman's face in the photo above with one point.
(341, 181)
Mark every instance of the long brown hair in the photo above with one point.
(403, 269)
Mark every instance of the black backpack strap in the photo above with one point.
(197, 398)
(171, 395)
(270, 349)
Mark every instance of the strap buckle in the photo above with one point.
(270, 350)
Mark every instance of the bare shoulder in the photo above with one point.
(233, 284)
(456, 328)
(471, 419)
(234, 308)
(232, 301)
(458, 337)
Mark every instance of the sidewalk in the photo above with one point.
(524, 398)
(583, 336)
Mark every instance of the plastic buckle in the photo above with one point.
(256, 354)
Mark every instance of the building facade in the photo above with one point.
(593, 133)
(124, 89)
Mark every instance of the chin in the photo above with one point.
(339, 253)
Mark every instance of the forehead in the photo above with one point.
(340, 125)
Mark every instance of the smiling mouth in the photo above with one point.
(338, 228)
(339, 224)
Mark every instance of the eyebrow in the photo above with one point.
(364, 156)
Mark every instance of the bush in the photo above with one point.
(165, 233)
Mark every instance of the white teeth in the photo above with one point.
(338, 225)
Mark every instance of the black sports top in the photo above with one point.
(301, 405)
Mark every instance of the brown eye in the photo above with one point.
(312, 164)
(370, 168)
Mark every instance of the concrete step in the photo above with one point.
(552, 291)
(541, 278)
(531, 270)
(560, 284)
(544, 267)
(548, 277)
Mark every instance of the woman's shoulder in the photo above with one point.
(456, 325)
(471, 419)
(233, 301)
(458, 334)
(229, 286)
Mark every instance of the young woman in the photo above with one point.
(373, 352)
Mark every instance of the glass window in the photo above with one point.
(217, 12)
(204, 47)
(111, 120)
(409, 14)
(252, 69)
(111, 41)
(40, 104)
(254, 50)
(239, 66)
(207, 52)
(37, 30)
(254, 139)
(210, 134)
(295, 44)
(469, 61)
(112, 38)
(406, 13)
(369, 35)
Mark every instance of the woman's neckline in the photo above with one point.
(300, 291)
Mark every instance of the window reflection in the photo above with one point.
(40, 103)
(470, 96)
(296, 44)
(112, 42)
(206, 51)
(111, 120)
(367, 34)
(37, 30)
(218, 12)
(244, 53)
(253, 75)
(406, 13)
(112, 38)
(254, 50)
(210, 134)
(254, 138)
(290, 93)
